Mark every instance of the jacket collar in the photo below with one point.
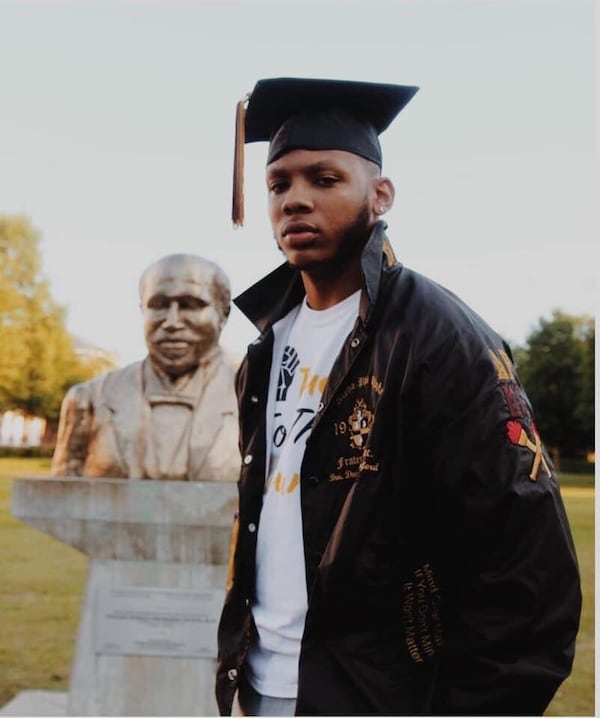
(273, 296)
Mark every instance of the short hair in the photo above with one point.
(219, 284)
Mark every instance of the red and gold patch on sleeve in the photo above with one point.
(520, 428)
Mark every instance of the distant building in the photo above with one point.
(18, 429)
(21, 430)
(89, 353)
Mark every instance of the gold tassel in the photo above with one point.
(237, 207)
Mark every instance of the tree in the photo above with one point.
(557, 369)
(18, 265)
(38, 362)
(587, 391)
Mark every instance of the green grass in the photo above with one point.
(43, 580)
(40, 595)
(576, 695)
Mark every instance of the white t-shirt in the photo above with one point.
(306, 345)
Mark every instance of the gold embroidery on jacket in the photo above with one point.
(421, 615)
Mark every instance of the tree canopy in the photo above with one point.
(38, 362)
(557, 369)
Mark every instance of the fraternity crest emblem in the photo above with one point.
(360, 423)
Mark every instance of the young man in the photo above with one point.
(401, 546)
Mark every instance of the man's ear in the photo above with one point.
(383, 196)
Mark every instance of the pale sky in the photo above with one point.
(116, 140)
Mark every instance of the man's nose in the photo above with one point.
(297, 200)
(173, 318)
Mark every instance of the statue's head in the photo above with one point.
(185, 302)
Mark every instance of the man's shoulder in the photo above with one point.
(419, 287)
(433, 308)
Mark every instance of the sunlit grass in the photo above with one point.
(43, 580)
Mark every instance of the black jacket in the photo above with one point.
(440, 567)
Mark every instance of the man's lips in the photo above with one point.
(299, 233)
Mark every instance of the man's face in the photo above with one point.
(181, 319)
(320, 206)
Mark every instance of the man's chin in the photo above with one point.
(304, 265)
(323, 267)
(308, 262)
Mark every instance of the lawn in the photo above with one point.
(40, 594)
(42, 583)
(576, 695)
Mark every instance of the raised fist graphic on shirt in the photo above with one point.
(289, 364)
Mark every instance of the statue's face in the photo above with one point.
(182, 318)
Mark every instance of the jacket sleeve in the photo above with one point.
(74, 430)
(512, 596)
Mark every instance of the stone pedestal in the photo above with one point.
(158, 561)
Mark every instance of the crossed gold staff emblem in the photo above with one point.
(518, 435)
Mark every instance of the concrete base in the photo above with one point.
(36, 703)
(140, 536)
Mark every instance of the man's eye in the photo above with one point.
(326, 181)
(277, 187)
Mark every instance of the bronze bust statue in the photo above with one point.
(174, 414)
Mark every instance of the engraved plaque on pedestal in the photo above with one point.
(155, 621)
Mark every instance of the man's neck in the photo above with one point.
(323, 292)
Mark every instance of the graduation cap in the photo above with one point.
(300, 113)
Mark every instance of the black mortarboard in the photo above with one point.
(299, 113)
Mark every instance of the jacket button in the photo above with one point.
(254, 399)
(248, 459)
(314, 480)
(232, 674)
(252, 528)
(355, 342)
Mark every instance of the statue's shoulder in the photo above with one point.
(227, 364)
(104, 386)
(226, 368)
(222, 387)
(118, 383)
(225, 372)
